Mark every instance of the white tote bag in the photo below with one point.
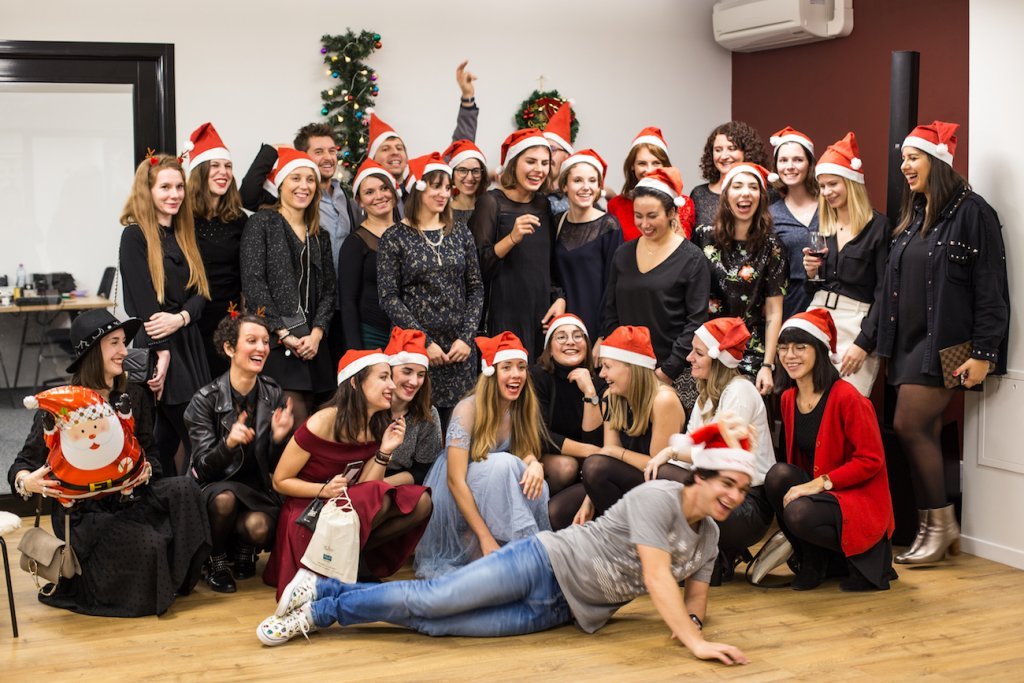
(333, 551)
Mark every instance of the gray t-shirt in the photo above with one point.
(597, 564)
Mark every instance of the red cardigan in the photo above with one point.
(849, 450)
(621, 207)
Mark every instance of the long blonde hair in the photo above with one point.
(639, 399)
(527, 428)
(139, 209)
(712, 388)
(857, 203)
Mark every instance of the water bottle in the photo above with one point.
(20, 278)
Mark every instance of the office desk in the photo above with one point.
(74, 304)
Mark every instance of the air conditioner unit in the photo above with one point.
(753, 25)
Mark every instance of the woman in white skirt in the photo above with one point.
(851, 272)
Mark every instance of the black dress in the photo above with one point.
(136, 552)
(219, 244)
(438, 292)
(188, 369)
(357, 290)
(583, 255)
(521, 286)
(705, 204)
(912, 330)
(741, 282)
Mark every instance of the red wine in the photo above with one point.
(818, 254)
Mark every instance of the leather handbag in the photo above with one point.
(774, 553)
(46, 557)
(951, 358)
(311, 514)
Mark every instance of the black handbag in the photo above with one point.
(140, 365)
(296, 324)
(311, 514)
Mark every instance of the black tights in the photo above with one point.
(228, 518)
(607, 480)
(562, 473)
(172, 440)
(918, 424)
(805, 520)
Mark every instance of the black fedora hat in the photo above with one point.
(91, 326)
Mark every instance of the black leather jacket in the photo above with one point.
(209, 417)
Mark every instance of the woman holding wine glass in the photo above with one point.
(846, 268)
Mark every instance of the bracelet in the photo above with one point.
(697, 622)
(19, 486)
(622, 455)
(513, 240)
(468, 100)
(183, 319)
(382, 458)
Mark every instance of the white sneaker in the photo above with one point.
(277, 630)
(300, 590)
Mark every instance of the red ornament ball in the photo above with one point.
(377, 45)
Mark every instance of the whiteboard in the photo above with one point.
(66, 167)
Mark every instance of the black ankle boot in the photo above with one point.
(245, 557)
(813, 569)
(218, 575)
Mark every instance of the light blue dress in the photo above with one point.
(448, 543)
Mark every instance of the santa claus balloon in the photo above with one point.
(93, 449)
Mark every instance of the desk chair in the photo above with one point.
(8, 523)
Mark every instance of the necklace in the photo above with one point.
(434, 246)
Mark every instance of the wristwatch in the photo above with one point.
(826, 483)
(770, 366)
(592, 400)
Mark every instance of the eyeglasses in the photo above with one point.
(795, 349)
(563, 338)
(463, 172)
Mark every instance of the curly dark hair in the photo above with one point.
(743, 136)
(228, 329)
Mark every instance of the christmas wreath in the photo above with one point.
(536, 109)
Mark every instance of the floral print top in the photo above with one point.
(741, 282)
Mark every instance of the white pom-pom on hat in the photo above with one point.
(188, 146)
(773, 177)
(835, 357)
(679, 201)
(488, 370)
(681, 444)
(941, 148)
(31, 402)
(856, 163)
(604, 193)
(368, 111)
(774, 140)
(714, 352)
(420, 185)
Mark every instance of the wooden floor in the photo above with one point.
(959, 621)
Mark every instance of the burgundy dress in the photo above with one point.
(327, 459)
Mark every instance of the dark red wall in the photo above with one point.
(825, 89)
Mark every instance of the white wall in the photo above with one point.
(257, 72)
(993, 456)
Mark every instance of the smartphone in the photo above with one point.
(352, 471)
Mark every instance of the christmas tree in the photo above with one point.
(350, 99)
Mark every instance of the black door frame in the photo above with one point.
(147, 67)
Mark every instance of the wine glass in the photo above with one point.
(819, 249)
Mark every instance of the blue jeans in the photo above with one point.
(509, 592)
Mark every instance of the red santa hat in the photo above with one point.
(371, 168)
(559, 128)
(842, 159)
(726, 339)
(520, 141)
(407, 346)
(379, 132)
(630, 344)
(420, 167)
(204, 145)
(818, 323)
(288, 160)
(707, 450)
(70, 405)
(355, 360)
(788, 134)
(562, 321)
(494, 350)
(587, 156)
(763, 175)
(650, 136)
(938, 138)
(666, 180)
(462, 150)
